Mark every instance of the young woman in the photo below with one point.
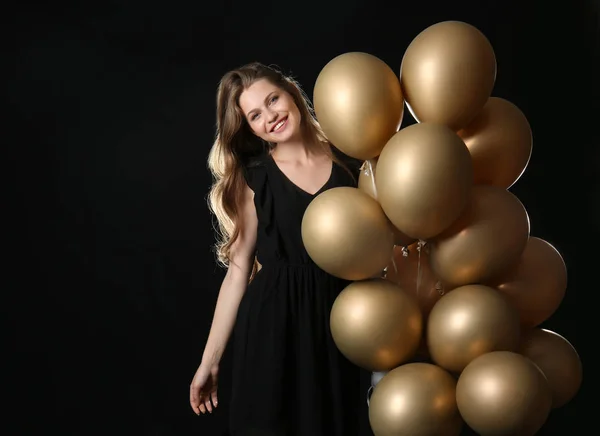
(269, 160)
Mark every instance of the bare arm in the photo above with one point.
(203, 389)
(234, 284)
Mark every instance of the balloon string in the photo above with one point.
(367, 167)
(372, 174)
(404, 254)
(420, 246)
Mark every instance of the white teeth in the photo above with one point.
(279, 124)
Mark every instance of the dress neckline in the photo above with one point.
(302, 190)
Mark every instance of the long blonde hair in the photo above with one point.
(236, 146)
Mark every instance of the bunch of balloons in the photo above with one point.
(448, 288)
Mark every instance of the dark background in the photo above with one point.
(111, 278)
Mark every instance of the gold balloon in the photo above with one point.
(470, 321)
(448, 72)
(503, 393)
(416, 399)
(410, 269)
(485, 241)
(499, 140)
(424, 179)
(346, 233)
(558, 360)
(376, 324)
(359, 104)
(366, 183)
(538, 283)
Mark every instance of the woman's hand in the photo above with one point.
(203, 390)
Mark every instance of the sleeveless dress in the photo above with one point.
(289, 378)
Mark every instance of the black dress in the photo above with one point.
(289, 379)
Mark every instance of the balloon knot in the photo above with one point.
(369, 393)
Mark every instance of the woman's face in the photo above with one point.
(271, 112)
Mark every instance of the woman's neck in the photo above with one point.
(296, 150)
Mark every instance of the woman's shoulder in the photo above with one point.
(255, 170)
(256, 163)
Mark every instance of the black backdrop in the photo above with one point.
(111, 278)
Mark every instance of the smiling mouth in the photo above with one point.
(279, 125)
